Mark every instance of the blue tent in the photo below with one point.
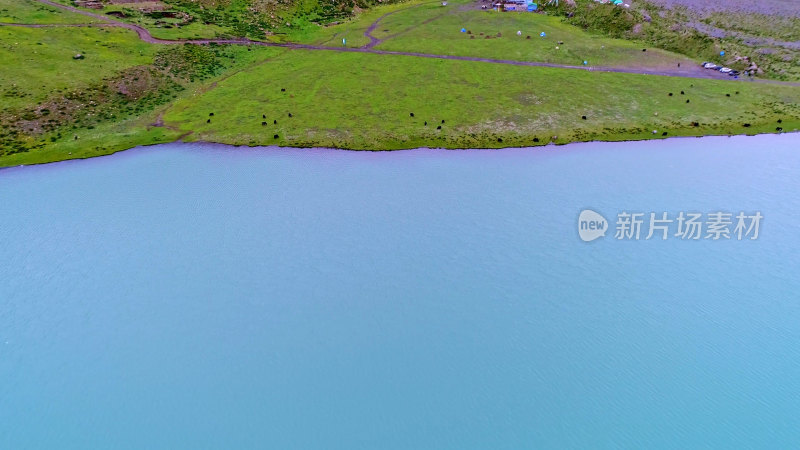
(542, 35)
(533, 7)
(463, 30)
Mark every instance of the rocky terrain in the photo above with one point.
(767, 7)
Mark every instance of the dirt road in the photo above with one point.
(144, 35)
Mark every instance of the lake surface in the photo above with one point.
(201, 296)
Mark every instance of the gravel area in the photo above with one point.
(770, 7)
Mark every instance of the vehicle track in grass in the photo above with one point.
(146, 36)
(373, 41)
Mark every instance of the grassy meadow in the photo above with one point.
(352, 29)
(38, 62)
(127, 93)
(110, 137)
(54, 107)
(167, 27)
(410, 31)
(32, 12)
(428, 27)
(365, 101)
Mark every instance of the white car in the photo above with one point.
(709, 65)
(726, 70)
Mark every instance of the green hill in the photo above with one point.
(358, 76)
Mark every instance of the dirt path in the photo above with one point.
(373, 41)
(145, 36)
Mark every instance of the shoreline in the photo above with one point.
(622, 104)
(539, 146)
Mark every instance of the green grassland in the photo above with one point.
(254, 19)
(55, 107)
(364, 101)
(428, 27)
(164, 27)
(409, 32)
(110, 137)
(192, 31)
(665, 33)
(38, 62)
(127, 92)
(31, 12)
(352, 28)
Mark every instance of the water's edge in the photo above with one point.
(532, 147)
(201, 296)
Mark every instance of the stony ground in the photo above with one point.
(769, 7)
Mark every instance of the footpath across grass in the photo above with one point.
(55, 107)
(429, 27)
(432, 28)
(366, 101)
(351, 29)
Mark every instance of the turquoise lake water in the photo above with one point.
(201, 296)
